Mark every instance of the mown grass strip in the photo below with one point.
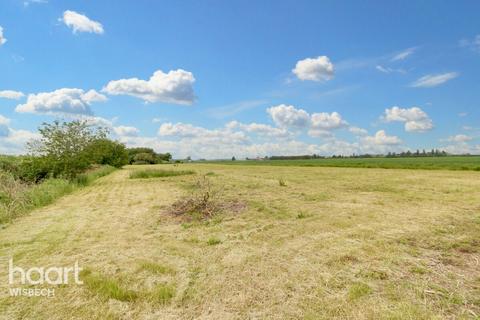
(158, 173)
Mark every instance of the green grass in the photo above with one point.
(106, 288)
(428, 163)
(85, 179)
(158, 173)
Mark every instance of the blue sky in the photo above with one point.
(213, 79)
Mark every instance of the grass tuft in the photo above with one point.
(213, 241)
(162, 293)
(358, 290)
(107, 288)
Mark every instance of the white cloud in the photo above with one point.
(66, 101)
(433, 80)
(358, 131)
(2, 37)
(327, 121)
(175, 87)
(415, 119)
(126, 131)
(201, 135)
(289, 116)
(13, 141)
(381, 138)
(462, 148)
(259, 129)
(81, 23)
(314, 69)
(463, 114)
(404, 54)
(10, 94)
(460, 138)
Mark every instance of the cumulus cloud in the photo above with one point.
(289, 116)
(404, 54)
(314, 69)
(13, 141)
(460, 138)
(197, 142)
(66, 101)
(318, 124)
(433, 80)
(259, 129)
(415, 119)
(381, 138)
(81, 23)
(126, 131)
(10, 94)
(175, 87)
(193, 134)
(327, 121)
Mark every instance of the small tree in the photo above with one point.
(63, 146)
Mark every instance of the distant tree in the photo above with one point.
(144, 158)
(233, 158)
(108, 152)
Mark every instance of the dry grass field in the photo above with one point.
(310, 243)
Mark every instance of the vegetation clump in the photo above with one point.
(205, 201)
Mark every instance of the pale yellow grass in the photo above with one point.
(333, 243)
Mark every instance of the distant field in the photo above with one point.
(436, 163)
(310, 243)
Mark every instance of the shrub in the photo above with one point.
(282, 182)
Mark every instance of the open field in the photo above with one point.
(330, 243)
(427, 163)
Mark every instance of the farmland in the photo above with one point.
(425, 163)
(310, 243)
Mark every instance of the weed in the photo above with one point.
(282, 182)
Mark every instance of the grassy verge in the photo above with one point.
(18, 198)
(158, 173)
